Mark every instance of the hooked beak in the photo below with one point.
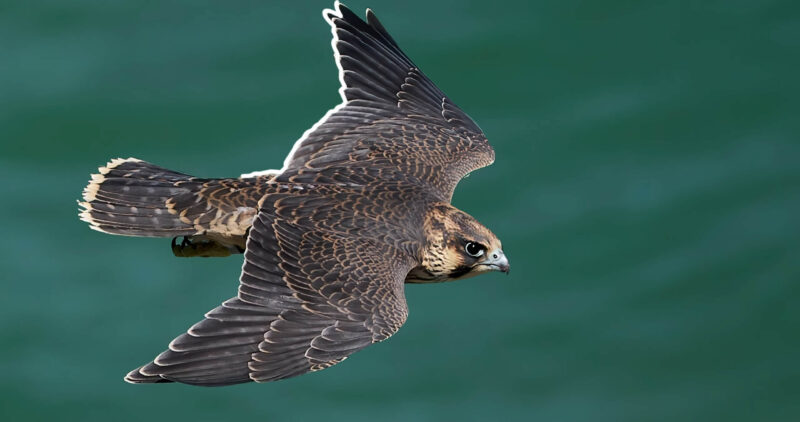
(496, 261)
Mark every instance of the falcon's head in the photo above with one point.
(457, 246)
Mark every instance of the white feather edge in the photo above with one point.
(90, 191)
(342, 87)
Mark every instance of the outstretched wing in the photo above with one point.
(394, 123)
(307, 300)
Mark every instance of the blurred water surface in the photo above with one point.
(646, 189)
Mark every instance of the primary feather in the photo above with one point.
(360, 207)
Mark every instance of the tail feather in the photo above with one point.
(135, 198)
(129, 197)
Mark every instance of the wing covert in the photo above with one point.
(394, 123)
(307, 300)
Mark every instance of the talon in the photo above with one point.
(198, 247)
(176, 249)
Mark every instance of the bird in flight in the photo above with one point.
(360, 207)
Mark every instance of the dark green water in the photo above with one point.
(646, 189)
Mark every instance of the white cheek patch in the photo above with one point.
(452, 259)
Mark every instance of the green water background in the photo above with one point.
(646, 189)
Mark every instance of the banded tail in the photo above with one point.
(132, 197)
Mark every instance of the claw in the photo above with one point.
(176, 250)
(203, 247)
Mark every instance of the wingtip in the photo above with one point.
(137, 377)
(133, 377)
(336, 12)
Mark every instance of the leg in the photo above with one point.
(202, 246)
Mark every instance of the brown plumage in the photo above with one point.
(135, 198)
(360, 207)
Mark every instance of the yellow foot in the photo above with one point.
(202, 246)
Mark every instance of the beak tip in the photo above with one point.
(497, 261)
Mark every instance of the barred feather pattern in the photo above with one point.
(361, 206)
(132, 197)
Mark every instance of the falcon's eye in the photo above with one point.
(474, 249)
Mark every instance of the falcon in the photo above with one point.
(360, 207)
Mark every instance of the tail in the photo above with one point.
(135, 198)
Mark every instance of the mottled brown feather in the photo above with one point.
(137, 198)
(360, 207)
(315, 298)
